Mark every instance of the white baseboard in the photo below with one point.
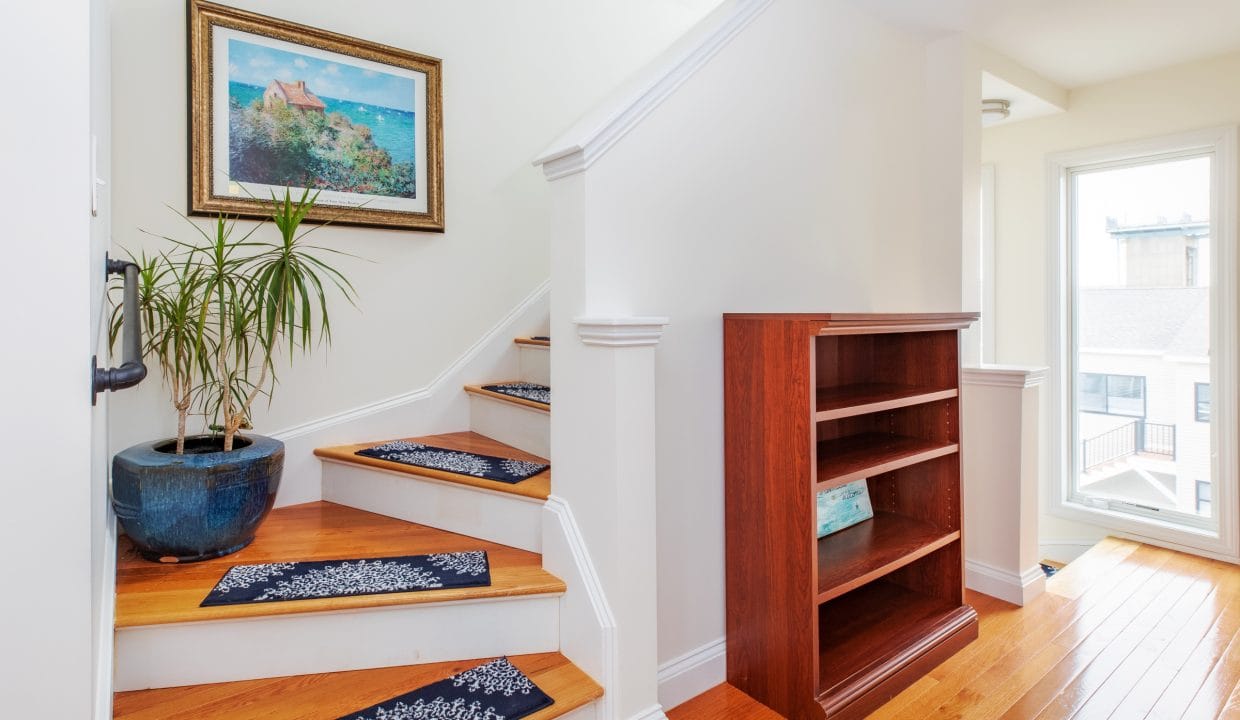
(439, 407)
(654, 712)
(1015, 588)
(693, 673)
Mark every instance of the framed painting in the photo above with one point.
(274, 104)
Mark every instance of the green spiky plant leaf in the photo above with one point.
(218, 309)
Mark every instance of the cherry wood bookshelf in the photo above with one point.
(833, 627)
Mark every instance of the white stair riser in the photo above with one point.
(517, 425)
(585, 712)
(179, 654)
(535, 363)
(496, 516)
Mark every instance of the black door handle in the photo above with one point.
(131, 370)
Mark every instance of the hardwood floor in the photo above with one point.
(1127, 631)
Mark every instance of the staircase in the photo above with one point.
(324, 658)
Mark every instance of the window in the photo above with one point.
(1133, 317)
(1112, 394)
(1201, 396)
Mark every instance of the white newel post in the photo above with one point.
(603, 440)
(1000, 426)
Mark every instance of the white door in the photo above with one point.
(55, 607)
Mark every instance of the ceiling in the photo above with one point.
(1079, 42)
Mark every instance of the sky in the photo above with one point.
(1140, 195)
(258, 65)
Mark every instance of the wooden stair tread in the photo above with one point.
(482, 392)
(538, 486)
(327, 696)
(532, 342)
(150, 593)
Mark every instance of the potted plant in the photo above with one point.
(218, 312)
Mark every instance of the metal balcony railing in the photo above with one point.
(1138, 436)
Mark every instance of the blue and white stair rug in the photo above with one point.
(525, 391)
(493, 691)
(504, 470)
(272, 582)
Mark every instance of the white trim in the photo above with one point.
(1222, 142)
(1015, 588)
(362, 411)
(1016, 376)
(105, 653)
(621, 331)
(685, 677)
(604, 665)
(987, 325)
(654, 712)
(582, 146)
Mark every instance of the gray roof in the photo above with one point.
(1173, 321)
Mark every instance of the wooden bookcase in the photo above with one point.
(834, 627)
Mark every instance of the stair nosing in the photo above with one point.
(479, 391)
(346, 455)
(463, 482)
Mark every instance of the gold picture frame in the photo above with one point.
(298, 106)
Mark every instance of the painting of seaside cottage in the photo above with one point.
(304, 121)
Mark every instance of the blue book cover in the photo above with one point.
(843, 507)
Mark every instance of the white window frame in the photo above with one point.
(1223, 540)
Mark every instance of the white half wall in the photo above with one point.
(1000, 424)
(514, 75)
(785, 175)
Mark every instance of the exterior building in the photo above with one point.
(1144, 383)
(292, 94)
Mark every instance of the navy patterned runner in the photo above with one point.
(494, 691)
(523, 390)
(460, 462)
(273, 582)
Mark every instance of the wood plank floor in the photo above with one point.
(149, 593)
(537, 487)
(1127, 631)
(330, 695)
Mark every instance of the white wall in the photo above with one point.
(515, 74)
(1177, 99)
(46, 608)
(786, 175)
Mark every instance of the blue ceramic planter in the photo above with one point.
(196, 506)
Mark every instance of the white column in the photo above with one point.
(1000, 408)
(603, 444)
